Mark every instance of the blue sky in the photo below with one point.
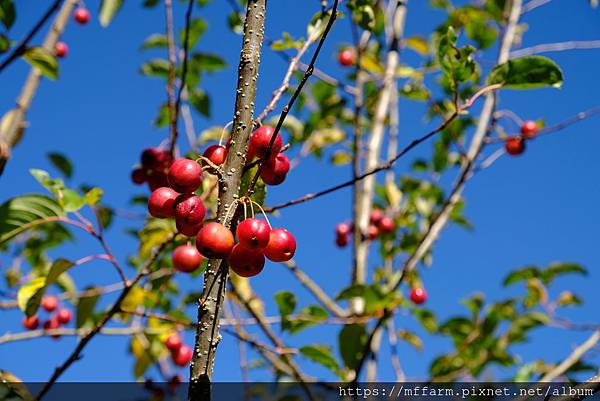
(535, 209)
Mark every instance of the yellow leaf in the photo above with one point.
(418, 44)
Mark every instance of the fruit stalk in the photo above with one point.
(215, 278)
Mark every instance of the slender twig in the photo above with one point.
(292, 100)
(317, 291)
(533, 4)
(555, 47)
(572, 359)
(171, 75)
(76, 354)
(389, 164)
(22, 46)
(276, 341)
(184, 71)
(285, 84)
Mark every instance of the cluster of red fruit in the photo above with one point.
(379, 224)
(154, 169)
(515, 145)
(62, 316)
(255, 237)
(277, 165)
(81, 16)
(181, 354)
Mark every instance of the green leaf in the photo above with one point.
(523, 274)
(286, 43)
(157, 68)
(62, 163)
(357, 290)
(286, 301)
(85, 309)
(108, 10)
(411, 338)
(197, 28)
(427, 319)
(155, 41)
(30, 295)
(93, 196)
(527, 73)
(322, 355)
(200, 101)
(43, 60)
(558, 269)
(352, 341)
(70, 200)
(21, 213)
(307, 317)
(207, 62)
(4, 43)
(7, 13)
(234, 20)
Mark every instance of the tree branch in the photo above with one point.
(171, 75)
(573, 358)
(314, 288)
(389, 164)
(292, 100)
(555, 47)
(215, 277)
(16, 117)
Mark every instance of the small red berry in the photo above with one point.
(31, 323)
(49, 303)
(253, 233)
(161, 202)
(514, 146)
(260, 140)
(173, 342)
(418, 295)
(214, 240)
(529, 129)
(182, 356)
(342, 240)
(186, 258)
(189, 213)
(61, 49)
(376, 216)
(275, 169)
(185, 175)
(138, 176)
(64, 316)
(246, 262)
(157, 179)
(372, 232)
(156, 158)
(386, 225)
(346, 57)
(343, 229)
(216, 154)
(52, 324)
(281, 246)
(82, 15)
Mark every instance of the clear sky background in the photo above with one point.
(535, 209)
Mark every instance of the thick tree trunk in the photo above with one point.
(215, 280)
